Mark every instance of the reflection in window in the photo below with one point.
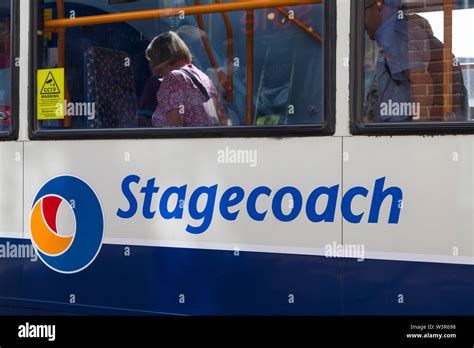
(188, 70)
(418, 61)
(5, 69)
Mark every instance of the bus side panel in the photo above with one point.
(11, 189)
(11, 222)
(427, 255)
(153, 265)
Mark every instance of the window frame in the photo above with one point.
(357, 127)
(12, 134)
(327, 128)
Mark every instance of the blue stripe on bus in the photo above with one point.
(151, 280)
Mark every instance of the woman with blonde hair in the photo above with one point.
(187, 97)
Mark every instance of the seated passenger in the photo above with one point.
(186, 97)
(194, 39)
(408, 80)
(147, 104)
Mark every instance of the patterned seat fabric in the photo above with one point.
(111, 85)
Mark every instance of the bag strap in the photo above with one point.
(197, 83)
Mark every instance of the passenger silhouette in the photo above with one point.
(408, 80)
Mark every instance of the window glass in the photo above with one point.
(419, 61)
(258, 67)
(5, 66)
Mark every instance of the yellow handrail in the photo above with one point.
(230, 55)
(55, 24)
(226, 81)
(448, 60)
(250, 28)
(62, 59)
(300, 24)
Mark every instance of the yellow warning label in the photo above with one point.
(50, 94)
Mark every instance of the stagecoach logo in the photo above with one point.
(67, 251)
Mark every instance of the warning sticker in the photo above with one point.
(50, 94)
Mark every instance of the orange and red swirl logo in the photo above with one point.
(67, 252)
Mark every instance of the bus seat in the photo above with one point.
(110, 84)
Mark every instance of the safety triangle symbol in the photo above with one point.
(50, 86)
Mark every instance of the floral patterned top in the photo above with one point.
(177, 91)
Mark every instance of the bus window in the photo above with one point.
(5, 67)
(221, 66)
(419, 63)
